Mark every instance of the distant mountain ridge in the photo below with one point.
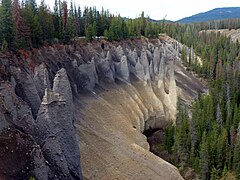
(215, 14)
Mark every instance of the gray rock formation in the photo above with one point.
(122, 70)
(132, 56)
(26, 89)
(139, 69)
(54, 147)
(89, 70)
(20, 113)
(55, 119)
(67, 136)
(17, 132)
(156, 60)
(41, 79)
(144, 59)
(145, 62)
(119, 52)
(124, 91)
(51, 130)
(105, 71)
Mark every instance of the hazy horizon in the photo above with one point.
(171, 9)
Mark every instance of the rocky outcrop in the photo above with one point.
(18, 147)
(100, 99)
(49, 142)
(67, 135)
(106, 71)
(133, 56)
(41, 79)
(111, 123)
(122, 70)
(88, 70)
(26, 89)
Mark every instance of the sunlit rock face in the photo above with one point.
(85, 107)
(139, 84)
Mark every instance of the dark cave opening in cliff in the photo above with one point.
(150, 131)
(156, 140)
(102, 45)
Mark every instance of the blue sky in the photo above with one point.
(156, 9)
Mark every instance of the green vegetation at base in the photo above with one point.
(209, 141)
(31, 178)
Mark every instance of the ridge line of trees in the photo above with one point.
(26, 24)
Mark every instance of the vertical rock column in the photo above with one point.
(26, 89)
(67, 138)
(41, 79)
(122, 70)
(56, 129)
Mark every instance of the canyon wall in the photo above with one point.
(101, 96)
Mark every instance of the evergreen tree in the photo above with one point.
(224, 173)
(56, 19)
(169, 138)
(89, 33)
(182, 138)
(236, 116)
(20, 30)
(46, 22)
(80, 20)
(236, 157)
(204, 157)
(219, 116)
(143, 23)
(214, 174)
(6, 23)
(32, 21)
(65, 15)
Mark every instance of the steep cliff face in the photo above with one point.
(234, 34)
(37, 140)
(101, 96)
